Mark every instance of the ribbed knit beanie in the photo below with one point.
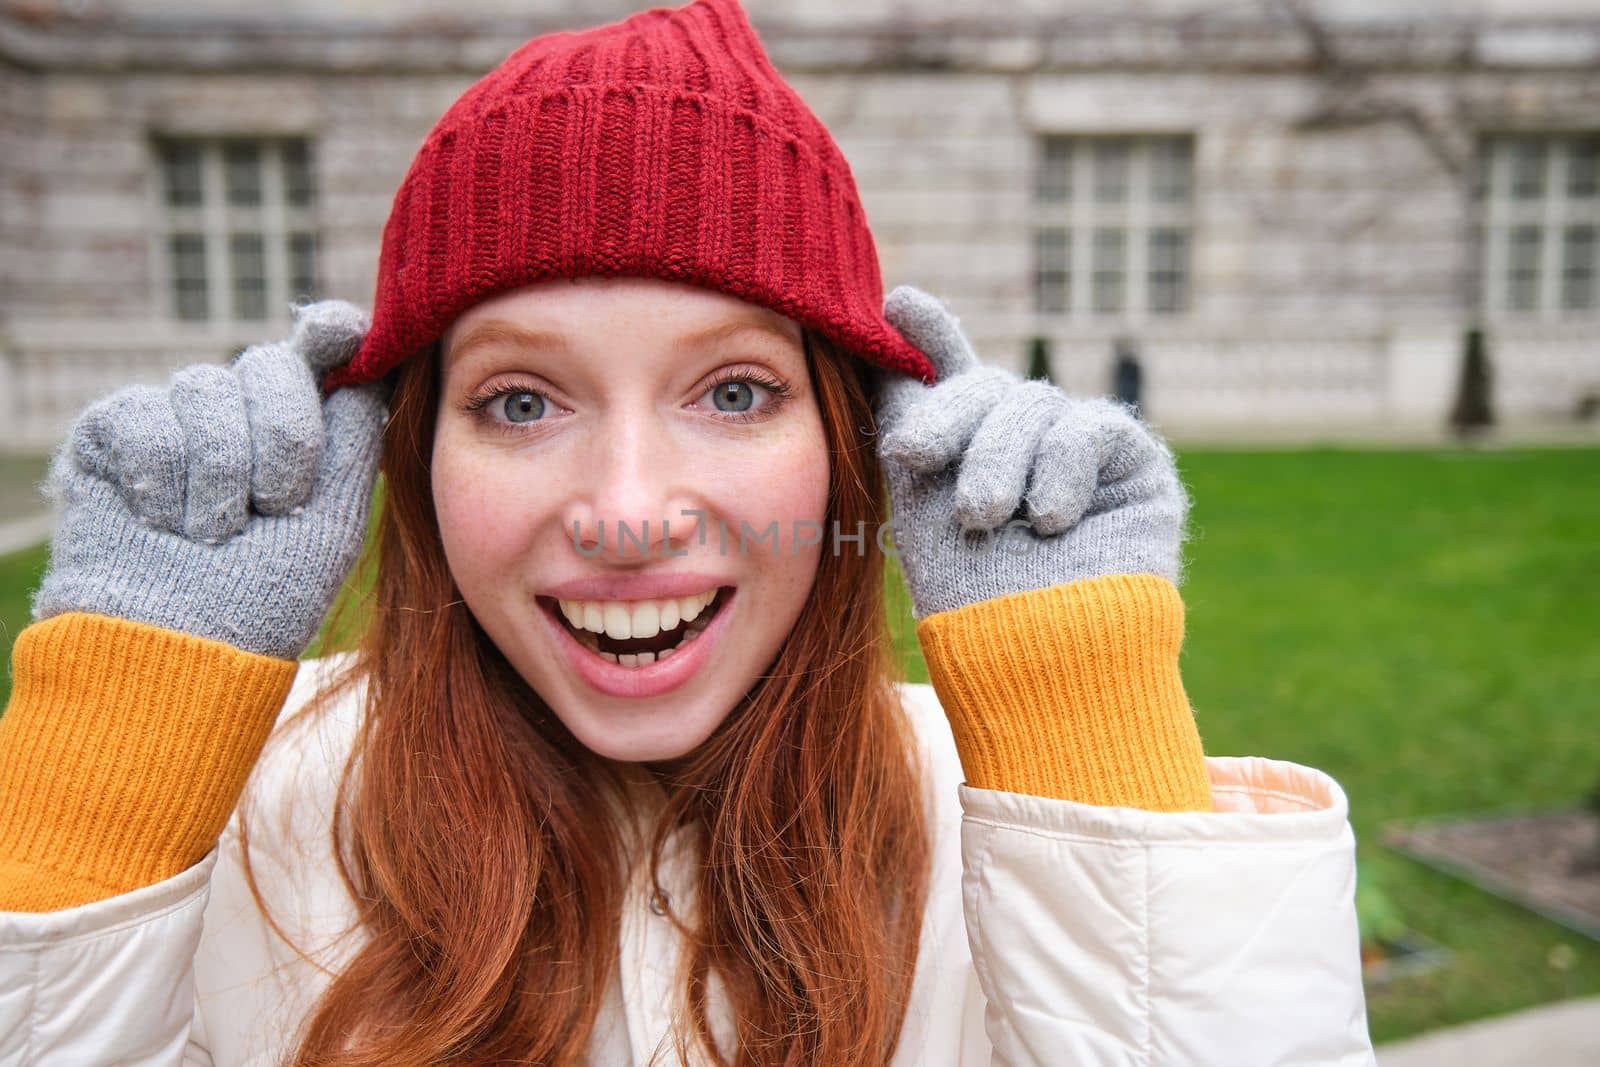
(664, 145)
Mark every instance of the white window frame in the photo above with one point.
(1138, 215)
(274, 218)
(1551, 214)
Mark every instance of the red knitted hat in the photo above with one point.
(665, 145)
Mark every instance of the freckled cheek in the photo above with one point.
(787, 486)
(488, 509)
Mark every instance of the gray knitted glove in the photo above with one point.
(1001, 485)
(229, 505)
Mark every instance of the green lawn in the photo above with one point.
(19, 573)
(1423, 625)
(20, 476)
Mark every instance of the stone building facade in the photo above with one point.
(1293, 211)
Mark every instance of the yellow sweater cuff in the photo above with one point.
(1072, 692)
(123, 752)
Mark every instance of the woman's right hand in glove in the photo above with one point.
(230, 504)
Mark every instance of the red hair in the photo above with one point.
(478, 839)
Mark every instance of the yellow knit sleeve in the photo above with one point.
(123, 752)
(1072, 692)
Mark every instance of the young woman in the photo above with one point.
(620, 769)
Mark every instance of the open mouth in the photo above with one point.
(637, 634)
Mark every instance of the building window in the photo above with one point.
(1539, 214)
(241, 234)
(1112, 225)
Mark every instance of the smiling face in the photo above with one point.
(598, 442)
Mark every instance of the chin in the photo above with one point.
(649, 740)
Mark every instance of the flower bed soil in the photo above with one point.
(1547, 861)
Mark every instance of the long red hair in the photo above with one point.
(479, 841)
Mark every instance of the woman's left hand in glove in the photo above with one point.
(1001, 485)
(1040, 536)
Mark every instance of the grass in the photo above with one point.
(20, 475)
(1422, 625)
(19, 574)
(902, 624)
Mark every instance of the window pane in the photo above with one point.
(303, 266)
(246, 252)
(1522, 292)
(1134, 192)
(1527, 169)
(1054, 179)
(180, 165)
(1577, 268)
(1171, 170)
(188, 254)
(241, 167)
(1111, 171)
(1108, 276)
(1053, 268)
(1583, 169)
(1169, 269)
(299, 186)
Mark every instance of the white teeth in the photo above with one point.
(690, 606)
(646, 620)
(621, 620)
(634, 659)
(617, 622)
(637, 659)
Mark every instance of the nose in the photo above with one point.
(638, 502)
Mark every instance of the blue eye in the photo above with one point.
(523, 407)
(733, 396)
(736, 394)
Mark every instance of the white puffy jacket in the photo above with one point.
(1056, 932)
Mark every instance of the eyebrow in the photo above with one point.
(498, 331)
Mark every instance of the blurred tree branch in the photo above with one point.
(1350, 95)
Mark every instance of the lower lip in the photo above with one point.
(662, 676)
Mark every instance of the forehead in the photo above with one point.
(570, 312)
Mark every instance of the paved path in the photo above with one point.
(1563, 1034)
